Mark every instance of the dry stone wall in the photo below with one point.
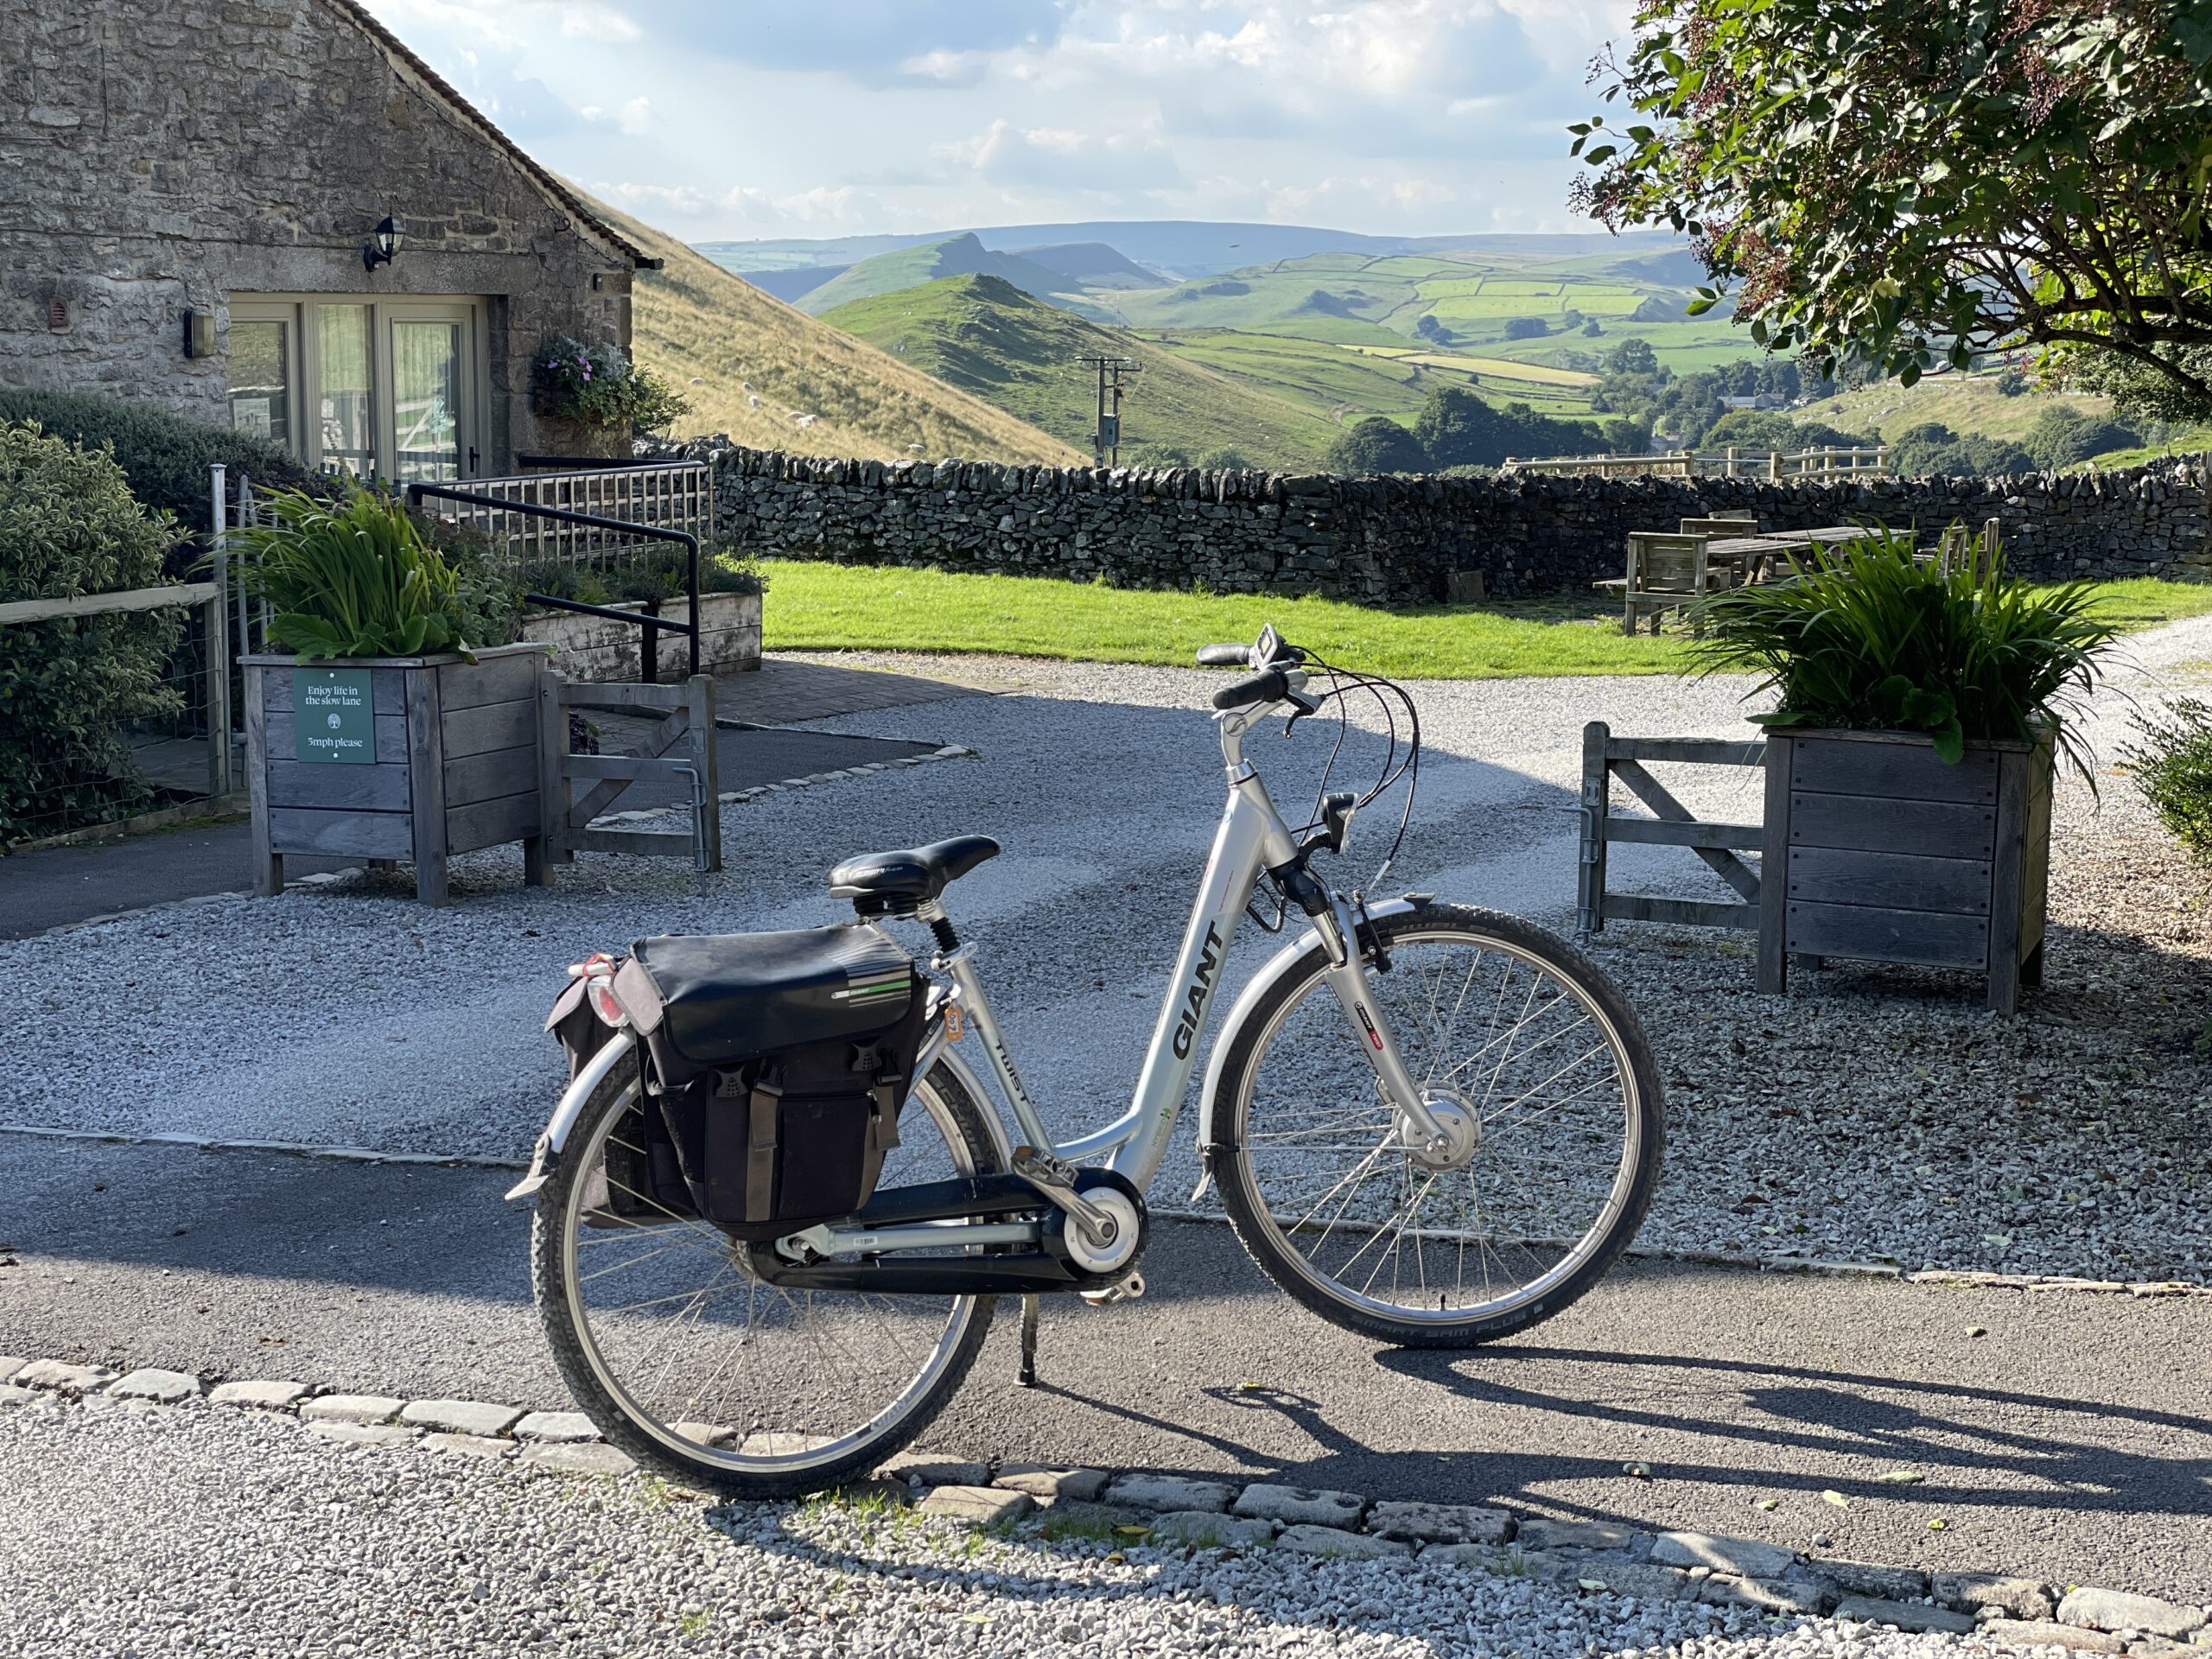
(1396, 540)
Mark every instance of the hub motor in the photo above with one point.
(1123, 1206)
(1459, 1132)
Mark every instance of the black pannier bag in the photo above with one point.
(776, 1065)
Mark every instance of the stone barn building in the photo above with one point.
(191, 195)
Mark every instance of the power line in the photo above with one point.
(1106, 439)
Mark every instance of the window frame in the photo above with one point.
(303, 367)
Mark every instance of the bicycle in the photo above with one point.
(1419, 1186)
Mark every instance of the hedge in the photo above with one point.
(68, 525)
(164, 457)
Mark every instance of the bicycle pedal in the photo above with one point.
(1128, 1289)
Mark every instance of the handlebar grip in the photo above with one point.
(1224, 656)
(1260, 688)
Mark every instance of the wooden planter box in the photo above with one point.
(593, 649)
(455, 764)
(1876, 849)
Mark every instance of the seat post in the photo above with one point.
(947, 941)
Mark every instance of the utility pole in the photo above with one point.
(1106, 440)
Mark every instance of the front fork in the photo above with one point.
(1348, 977)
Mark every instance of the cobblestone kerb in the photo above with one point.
(1150, 1510)
(1397, 540)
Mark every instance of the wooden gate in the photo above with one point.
(1605, 758)
(580, 787)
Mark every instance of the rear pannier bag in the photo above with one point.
(776, 1065)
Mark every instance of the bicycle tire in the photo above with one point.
(1263, 1237)
(576, 1357)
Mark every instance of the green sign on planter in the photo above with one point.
(334, 715)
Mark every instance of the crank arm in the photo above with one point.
(1053, 1179)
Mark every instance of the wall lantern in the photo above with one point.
(199, 334)
(380, 248)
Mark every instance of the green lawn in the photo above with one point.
(818, 607)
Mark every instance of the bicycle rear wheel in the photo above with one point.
(688, 1362)
(1536, 1065)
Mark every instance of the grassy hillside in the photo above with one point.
(958, 256)
(1456, 301)
(1092, 264)
(986, 337)
(752, 367)
(1965, 402)
(1346, 382)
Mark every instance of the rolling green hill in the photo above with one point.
(958, 256)
(768, 375)
(983, 336)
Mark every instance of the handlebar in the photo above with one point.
(1268, 687)
(1228, 656)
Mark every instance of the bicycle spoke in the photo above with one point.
(743, 1373)
(1515, 1055)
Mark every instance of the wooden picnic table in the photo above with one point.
(1755, 556)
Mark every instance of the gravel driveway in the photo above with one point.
(196, 1531)
(1873, 1114)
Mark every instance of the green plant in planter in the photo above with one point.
(1863, 637)
(355, 578)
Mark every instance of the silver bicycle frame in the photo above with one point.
(1251, 838)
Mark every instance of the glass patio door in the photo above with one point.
(375, 387)
(426, 401)
(344, 396)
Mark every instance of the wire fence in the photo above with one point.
(1834, 461)
(113, 712)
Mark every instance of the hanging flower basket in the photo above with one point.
(599, 387)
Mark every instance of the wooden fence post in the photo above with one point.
(1774, 870)
(699, 697)
(1597, 800)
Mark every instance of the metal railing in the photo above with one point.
(1829, 461)
(648, 618)
(601, 518)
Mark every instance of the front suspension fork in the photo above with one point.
(1348, 977)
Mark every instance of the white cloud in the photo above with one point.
(1409, 116)
(600, 24)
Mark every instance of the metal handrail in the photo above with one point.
(649, 620)
(585, 463)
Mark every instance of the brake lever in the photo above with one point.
(1306, 705)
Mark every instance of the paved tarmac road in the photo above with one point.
(2070, 1441)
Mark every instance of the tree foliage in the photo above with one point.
(164, 457)
(1378, 445)
(1907, 184)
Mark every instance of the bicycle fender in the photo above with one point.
(1271, 973)
(985, 1103)
(555, 1135)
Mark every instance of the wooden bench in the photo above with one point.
(1667, 573)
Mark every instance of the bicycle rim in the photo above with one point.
(1496, 1035)
(736, 1376)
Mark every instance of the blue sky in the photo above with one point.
(727, 118)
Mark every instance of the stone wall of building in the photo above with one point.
(158, 157)
(1398, 540)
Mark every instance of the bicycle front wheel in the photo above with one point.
(687, 1361)
(1537, 1070)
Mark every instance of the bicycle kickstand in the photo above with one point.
(1028, 1375)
